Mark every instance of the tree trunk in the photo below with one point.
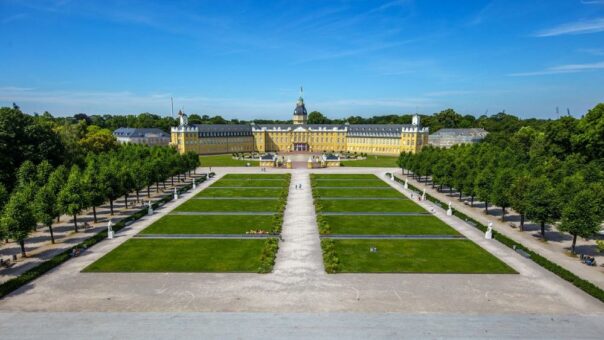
(137, 196)
(521, 222)
(22, 244)
(460, 194)
(503, 213)
(472, 201)
(94, 213)
(52, 234)
(543, 229)
(486, 207)
(111, 206)
(148, 191)
(75, 222)
(574, 243)
(126, 200)
(156, 186)
(172, 180)
(58, 218)
(164, 183)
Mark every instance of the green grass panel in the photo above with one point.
(417, 256)
(211, 224)
(388, 225)
(192, 255)
(369, 206)
(229, 205)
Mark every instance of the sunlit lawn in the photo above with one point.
(248, 205)
(181, 255)
(417, 256)
(404, 205)
(349, 183)
(250, 183)
(241, 192)
(388, 225)
(209, 224)
(357, 192)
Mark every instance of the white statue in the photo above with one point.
(449, 211)
(194, 185)
(175, 194)
(489, 234)
(406, 183)
(424, 195)
(109, 230)
(150, 208)
(183, 120)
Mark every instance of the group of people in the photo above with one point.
(262, 169)
(298, 186)
(588, 260)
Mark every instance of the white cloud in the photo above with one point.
(570, 68)
(579, 27)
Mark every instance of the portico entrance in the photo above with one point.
(300, 147)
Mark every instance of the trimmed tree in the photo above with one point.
(46, 207)
(18, 219)
(94, 188)
(501, 195)
(484, 186)
(542, 202)
(581, 216)
(518, 195)
(72, 198)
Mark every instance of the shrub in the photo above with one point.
(330, 257)
(268, 255)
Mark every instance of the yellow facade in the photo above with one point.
(380, 139)
(298, 139)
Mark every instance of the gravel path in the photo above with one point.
(299, 256)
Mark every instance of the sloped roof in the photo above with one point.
(140, 132)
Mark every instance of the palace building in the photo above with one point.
(376, 139)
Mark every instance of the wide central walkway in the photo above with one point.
(299, 256)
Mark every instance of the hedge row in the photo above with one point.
(278, 218)
(582, 284)
(330, 257)
(37, 271)
(268, 255)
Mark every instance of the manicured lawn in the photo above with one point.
(223, 160)
(255, 176)
(240, 192)
(210, 224)
(357, 192)
(388, 225)
(350, 183)
(343, 176)
(369, 206)
(184, 255)
(229, 205)
(374, 161)
(242, 183)
(417, 256)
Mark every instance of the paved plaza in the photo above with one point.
(534, 301)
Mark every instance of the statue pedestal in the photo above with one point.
(110, 235)
(449, 212)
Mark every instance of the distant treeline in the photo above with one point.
(500, 122)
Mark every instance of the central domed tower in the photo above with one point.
(300, 115)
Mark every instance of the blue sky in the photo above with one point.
(247, 59)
